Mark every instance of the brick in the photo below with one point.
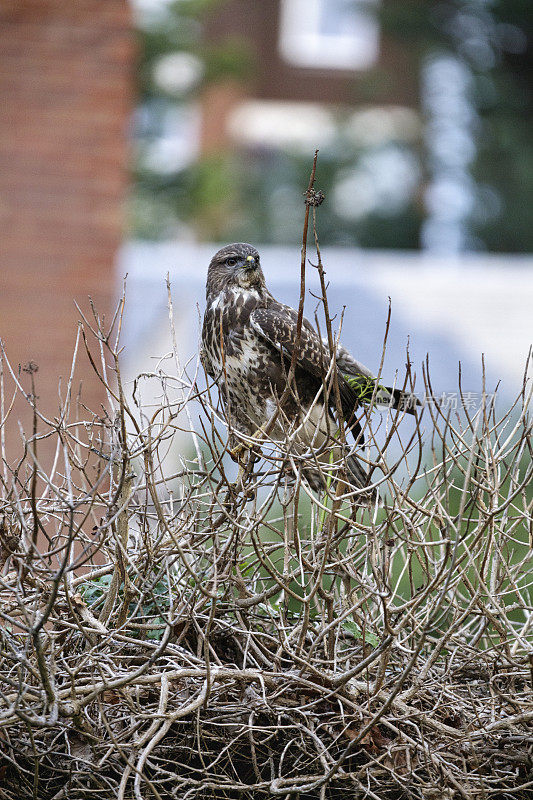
(66, 89)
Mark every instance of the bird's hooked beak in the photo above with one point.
(250, 272)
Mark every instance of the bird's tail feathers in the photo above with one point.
(359, 476)
(320, 476)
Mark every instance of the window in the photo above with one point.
(330, 34)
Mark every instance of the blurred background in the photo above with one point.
(138, 137)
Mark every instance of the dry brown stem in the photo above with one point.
(166, 635)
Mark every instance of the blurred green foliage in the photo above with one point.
(501, 96)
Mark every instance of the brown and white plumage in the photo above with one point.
(248, 339)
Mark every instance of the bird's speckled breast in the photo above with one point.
(236, 357)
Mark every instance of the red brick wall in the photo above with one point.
(65, 97)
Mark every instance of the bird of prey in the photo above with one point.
(248, 340)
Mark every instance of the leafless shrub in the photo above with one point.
(169, 632)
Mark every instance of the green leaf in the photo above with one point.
(365, 388)
(370, 638)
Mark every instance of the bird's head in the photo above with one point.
(235, 265)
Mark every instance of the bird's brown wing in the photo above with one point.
(278, 325)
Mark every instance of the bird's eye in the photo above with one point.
(231, 262)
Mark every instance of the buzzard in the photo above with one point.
(248, 339)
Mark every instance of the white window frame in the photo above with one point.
(304, 43)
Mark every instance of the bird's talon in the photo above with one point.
(238, 452)
(238, 486)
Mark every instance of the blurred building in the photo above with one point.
(66, 88)
(237, 96)
(306, 56)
